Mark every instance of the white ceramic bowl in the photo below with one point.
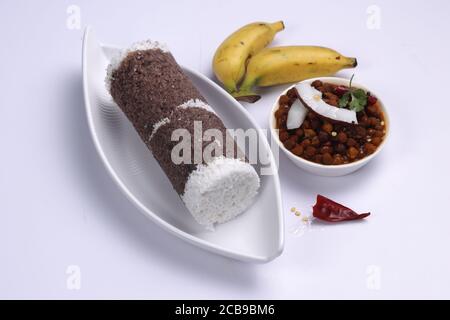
(321, 169)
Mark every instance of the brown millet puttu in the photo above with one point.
(159, 98)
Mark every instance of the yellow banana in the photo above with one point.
(278, 65)
(231, 56)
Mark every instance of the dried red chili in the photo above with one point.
(328, 210)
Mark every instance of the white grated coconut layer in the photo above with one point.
(192, 103)
(117, 60)
(221, 190)
(196, 103)
(158, 125)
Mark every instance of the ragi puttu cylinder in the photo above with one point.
(158, 98)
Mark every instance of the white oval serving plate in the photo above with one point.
(257, 235)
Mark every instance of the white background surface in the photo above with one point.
(59, 207)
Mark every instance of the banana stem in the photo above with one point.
(353, 63)
(230, 87)
(247, 96)
(277, 26)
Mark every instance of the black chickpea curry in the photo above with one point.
(330, 124)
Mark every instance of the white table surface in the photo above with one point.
(59, 208)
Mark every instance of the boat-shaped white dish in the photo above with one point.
(257, 235)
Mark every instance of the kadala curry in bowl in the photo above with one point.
(329, 126)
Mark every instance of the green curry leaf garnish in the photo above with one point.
(355, 99)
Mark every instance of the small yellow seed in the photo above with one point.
(297, 213)
(293, 209)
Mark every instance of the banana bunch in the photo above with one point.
(242, 60)
(231, 57)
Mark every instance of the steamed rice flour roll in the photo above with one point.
(158, 98)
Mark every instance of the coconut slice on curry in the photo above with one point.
(311, 98)
(296, 115)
